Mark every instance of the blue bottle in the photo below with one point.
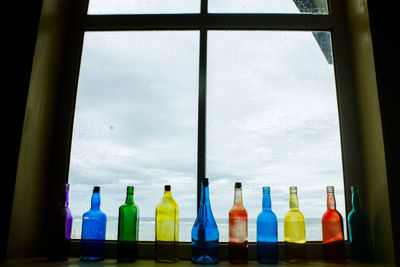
(93, 230)
(205, 234)
(267, 231)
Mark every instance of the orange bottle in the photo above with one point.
(332, 230)
(238, 229)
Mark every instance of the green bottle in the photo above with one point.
(128, 229)
(167, 228)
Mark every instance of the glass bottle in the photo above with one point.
(128, 229)
(60, 227)
(167, 228)
(359, 231)
(267, 231)
(238, 228)
(294, 230)
(332, 230)
(93, 230)
(205, 234)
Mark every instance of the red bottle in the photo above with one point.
(238, 229)
(332, 230)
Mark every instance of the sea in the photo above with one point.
(147, 228)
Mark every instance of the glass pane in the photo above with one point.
(272, 119)
(143, 6)
(136, 124)
(270, 6)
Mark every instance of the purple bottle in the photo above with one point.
(60, 227)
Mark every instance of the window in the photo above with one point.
(164, 92)
(272, 120)
(136, 124)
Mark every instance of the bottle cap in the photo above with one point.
(354, 188)
(204, 181)
(293, 189)
(330, 189)
(130, 188)
(64, 187)
(238, 185)
(167, 187)
(266, 189)
(96, 189)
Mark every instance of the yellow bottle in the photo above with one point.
(294, 230)
(167, 228)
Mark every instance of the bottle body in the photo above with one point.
(60, 227)
(167, 228)
(294, 230)
(238, 221)
(128, 229)
(93, 230)
(205, 234)
(332, 231)
(359, 231)
(267, 231)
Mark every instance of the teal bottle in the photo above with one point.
(359, 231)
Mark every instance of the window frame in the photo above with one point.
(333, 22)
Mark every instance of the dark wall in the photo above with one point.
(384, 29)
(22, 46)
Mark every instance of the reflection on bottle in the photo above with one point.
(332, 230)
(294, 230)
(238, 228)
(167, 228)
(205, 234)
(359, 231)
(93, 230)
(60, 227)
(128, 229)
(267, 231)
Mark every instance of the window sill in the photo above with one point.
(313, 250)
(75, 262)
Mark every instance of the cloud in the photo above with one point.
(253, 6)
(143, 6)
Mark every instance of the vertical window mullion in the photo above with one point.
(201, 148)
(204, 7)
(201, 142)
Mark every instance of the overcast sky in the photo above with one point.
(271, 119)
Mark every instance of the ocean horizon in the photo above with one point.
(147, 228)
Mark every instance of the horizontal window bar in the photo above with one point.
(208, 21)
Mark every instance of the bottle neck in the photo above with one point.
(293, 201)
(238, 197)
(167, 194)
(330, 201)
(129, 198)
(66, 203)
(266, 203)
(204, 198)
(356, 200)
(95, 201)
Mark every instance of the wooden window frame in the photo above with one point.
(333, 22)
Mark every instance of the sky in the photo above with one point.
(272, 119)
